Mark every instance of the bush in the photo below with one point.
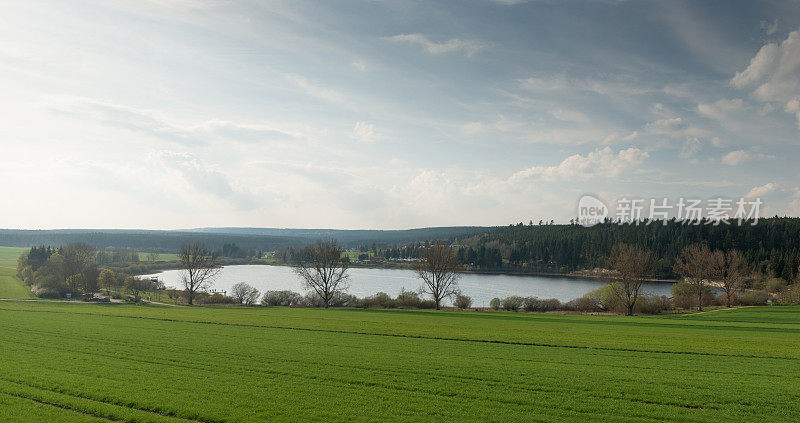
(775, 285)
(462, 301)
(408, 299)
(584, 304)
(281, 298)
(379, 300)
(495, 303)
(757, 297)
(684, 296)
(790, 294)
(549, 304)
(652, 304)
(216, 298)
(512, 303)
(339, 299)
(531, 304)
(427, 304)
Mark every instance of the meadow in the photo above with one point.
(10, 285)
(126, 362)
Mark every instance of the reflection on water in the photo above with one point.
(364, 282)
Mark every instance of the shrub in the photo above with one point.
(427, 304)
(216, 298)
(281, 298)
(790, 294)
(462, 301)
(684, 296)
(495, 303)
(512, 303)
(584, 304)
(531, 304)
(758, 297)
(408, 299)
(339, 299)
(652, 304)
(379, 300)
(549, 304)
(775, 285)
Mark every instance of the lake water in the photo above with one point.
(365, 282)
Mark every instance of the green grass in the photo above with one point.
(10, 285)
(66, 361)
(161, 257)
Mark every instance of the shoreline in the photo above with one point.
(477, 272)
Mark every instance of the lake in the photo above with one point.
(365, 282)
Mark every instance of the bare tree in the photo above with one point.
(735, 271)
(200, 266)
(632, 265)
(698, 264)
(437, 268)
(323, 270)
(244, 293)
(153, 256)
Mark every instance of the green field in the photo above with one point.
(10, 285)
(93, 362)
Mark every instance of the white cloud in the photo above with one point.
(364, 132)
(762, 190)
(359, 65)
(719, 109)
(774, 71)
(469, 47)
(738, 157)
(668, 126)
(569, 116)
(602, 163)
(322, 93)
(690, 147)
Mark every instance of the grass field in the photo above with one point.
(93, 362)
(10, 285)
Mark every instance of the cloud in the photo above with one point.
(762, 190)
(322, 93)
(668, 126)
(569, 116)
(735, 158)
(690, 147)
(719, 109)
(359, 65)
(194, 175)
(774, 71)
(562, 82)
(770, 28)
(364, 132)
(597, 164)
(469, 47)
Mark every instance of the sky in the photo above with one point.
(166, 114)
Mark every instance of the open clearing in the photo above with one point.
(10, 285)
(100, 362)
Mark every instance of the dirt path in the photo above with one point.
(718, 309)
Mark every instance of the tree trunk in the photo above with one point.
(630, 310)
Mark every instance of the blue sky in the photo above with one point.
(389, 114)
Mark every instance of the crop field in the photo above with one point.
(101, 362)
(10, 285)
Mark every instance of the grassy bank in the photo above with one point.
(10, 285)
(94, 362)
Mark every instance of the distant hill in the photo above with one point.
(266, 239)
(359, 236)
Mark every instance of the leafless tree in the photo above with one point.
(698, 264)
(735, 271)
(438, 268)
(200, 266)
(323, 270)
(632, 265)
(153, 256)
(244, 293)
